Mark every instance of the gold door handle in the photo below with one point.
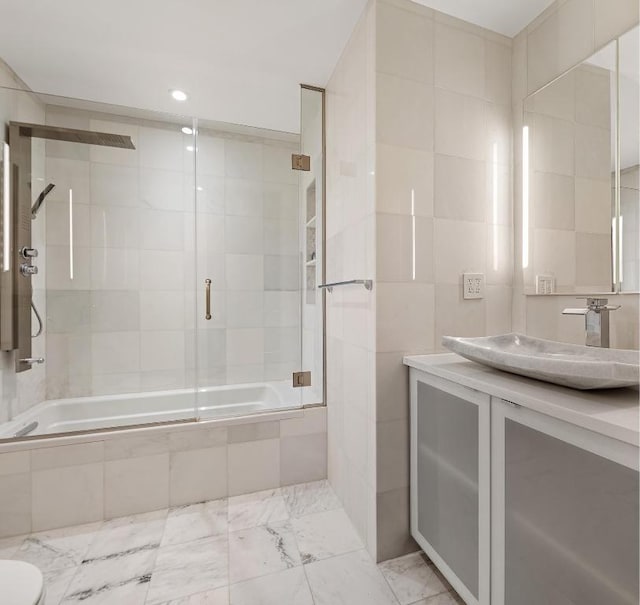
(207, 289)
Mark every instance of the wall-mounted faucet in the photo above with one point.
(596, 321)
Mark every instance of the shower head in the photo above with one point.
(36, 207)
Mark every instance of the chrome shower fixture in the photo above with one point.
(36, 206)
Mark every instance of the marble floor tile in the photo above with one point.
(445, 598)
(9, 546)
(121, 577)
(56, 583)
(127, 535)
(324, 535)
(260, 508)
(188, 569)
(262, 550)
(309, 498)
(285, 587)
(195, 521)
(413, 578)
(219, 596)
(348, 579)
(132, 592)
(59, 548)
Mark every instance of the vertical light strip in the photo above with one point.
(621, 232)
(70, 233)
(525, 197)
(6, 209)
(413, 234)
(494, 178)
(614, 249)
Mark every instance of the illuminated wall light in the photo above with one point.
(413, 234)
(6, 209)
(70, 234)
(178, 95)
(494, 179)
(620, 230)
(525, 197)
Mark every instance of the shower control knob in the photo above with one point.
(28, 252)
(26, 269)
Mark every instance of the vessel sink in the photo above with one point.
(574, 366)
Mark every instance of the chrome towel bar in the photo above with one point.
(367, 283)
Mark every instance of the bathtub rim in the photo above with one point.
(15, 444)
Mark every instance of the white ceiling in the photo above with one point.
(241, 61)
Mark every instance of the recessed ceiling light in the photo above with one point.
(178, 95)
(187, 130)
(190, 147)
(200, 188)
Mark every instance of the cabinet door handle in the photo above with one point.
(207, 290)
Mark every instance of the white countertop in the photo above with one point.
(614, 413)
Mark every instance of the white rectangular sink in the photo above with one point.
(574, 366)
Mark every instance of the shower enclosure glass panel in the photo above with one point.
(178, 263)
(115, 241)
(248, 268)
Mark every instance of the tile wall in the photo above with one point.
(46, 486)
(350, 254)
(443, 207)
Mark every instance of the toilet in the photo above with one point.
(21, 583)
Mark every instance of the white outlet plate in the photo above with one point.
(472, 285)
(545, 284)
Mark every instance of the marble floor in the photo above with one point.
(289, 546)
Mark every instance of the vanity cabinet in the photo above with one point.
(565, 512)
(524, 493)
(450, 481)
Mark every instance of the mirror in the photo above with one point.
(573, 241)
(571, 169)
(629, 212)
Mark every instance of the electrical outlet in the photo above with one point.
(545, 284)
(473, 285)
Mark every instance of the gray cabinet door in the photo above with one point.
(449, 490)
(569, 509)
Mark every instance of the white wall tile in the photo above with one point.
(243, 160)
(412, 127)
(15, 504)
(411, 55)
(67, 496)
(162, 350)
(254, 466)
(115, 352)
(198, 475)
(459, 60)
(136, 485)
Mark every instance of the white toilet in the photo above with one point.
(21, 583)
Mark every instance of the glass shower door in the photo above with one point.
(248, 263)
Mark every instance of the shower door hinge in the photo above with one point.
(301, 379)
(300, 162)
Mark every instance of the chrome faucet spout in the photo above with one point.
(596, 320)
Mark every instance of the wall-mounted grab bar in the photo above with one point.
(367, 283)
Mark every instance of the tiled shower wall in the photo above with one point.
(18, 392)
(565, 34)
(127, 321)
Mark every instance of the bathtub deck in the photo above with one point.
(293, 546)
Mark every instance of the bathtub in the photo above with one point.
(134, 409)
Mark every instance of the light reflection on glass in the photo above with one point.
(525, 197)
(70, 233)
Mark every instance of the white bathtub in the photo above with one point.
(107, 411)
